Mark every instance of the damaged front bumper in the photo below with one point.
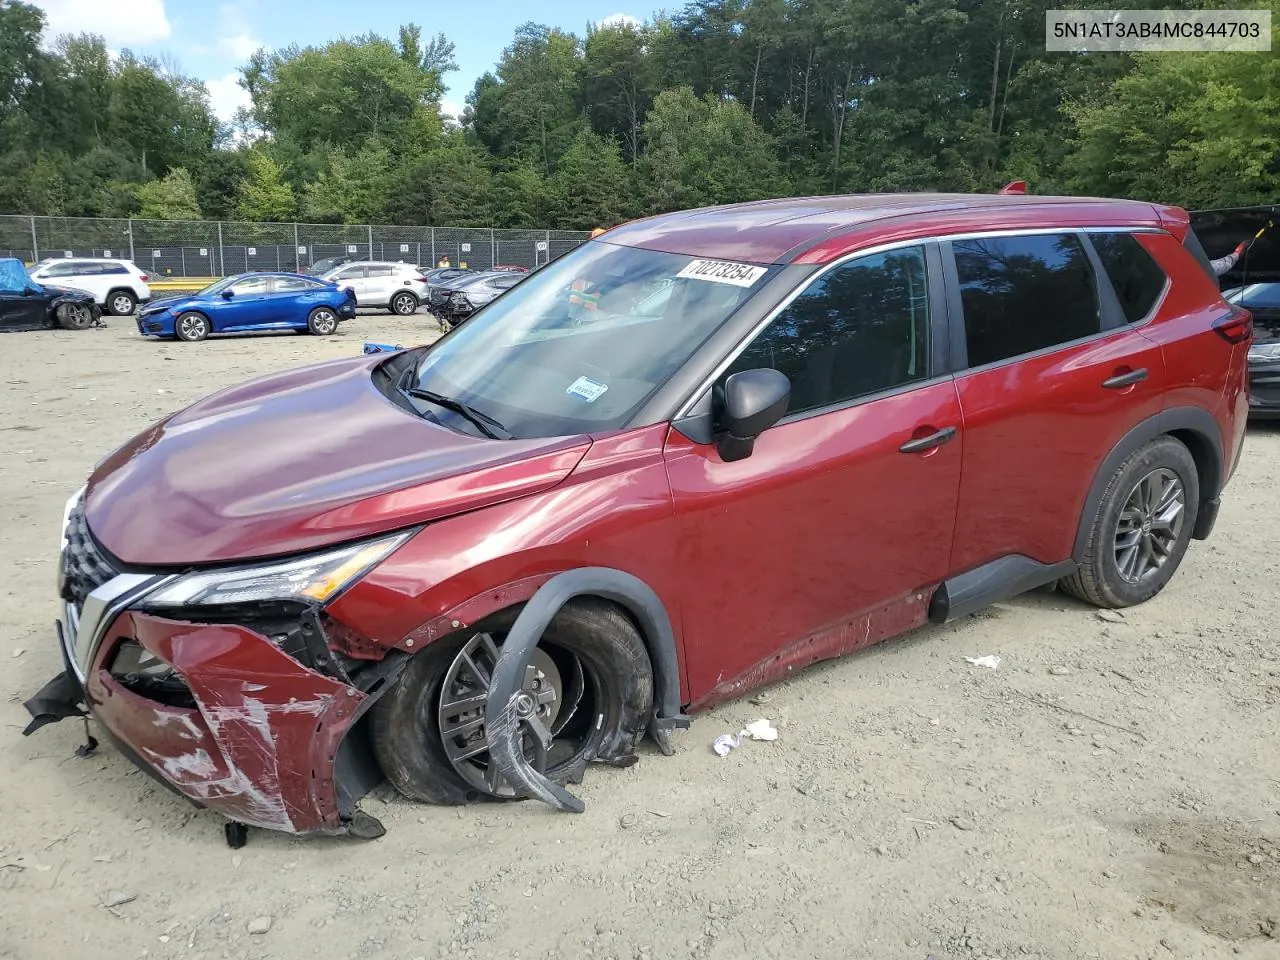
(238, 727)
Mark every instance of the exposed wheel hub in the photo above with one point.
(543, 706)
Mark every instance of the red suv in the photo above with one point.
(694, 454)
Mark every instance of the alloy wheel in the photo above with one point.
(193, 328)
(121, 305)
(552, 700)
(1149, 525)
(324, 322)
(404, 305)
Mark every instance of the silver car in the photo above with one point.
(471, 293)
(400, 287)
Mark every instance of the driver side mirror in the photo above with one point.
(28, 291)
(754, 400)
(228, 294)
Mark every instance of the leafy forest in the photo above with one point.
(722, 101)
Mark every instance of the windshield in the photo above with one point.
(581, 344)
(218, 286)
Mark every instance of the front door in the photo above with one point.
(246, 307)
(830, 535)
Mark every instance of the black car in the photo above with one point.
(1253, 282)
(26, 304)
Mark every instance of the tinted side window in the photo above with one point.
(58, 270)
(351, 273)
(294, 285)
(252, 286)
(1022, 294)
(1135, 275)
(113, 268)
(861, 328)
(380, 271)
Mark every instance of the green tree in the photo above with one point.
(171, 198)
(1199, 130)
(702, 151)
(619, 82)
(263, 193)
(592, 186)
(355, 188)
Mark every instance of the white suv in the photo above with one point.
(399, 287)
(117, 285)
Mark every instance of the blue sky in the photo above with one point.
(209, 39)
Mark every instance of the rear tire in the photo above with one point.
(608, 718)
(191, 327)
(322, 322)
(74, 316)
(404, 304)
(121, 303)
(1141, 529)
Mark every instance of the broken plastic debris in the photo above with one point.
(991, 661)
(757, 730)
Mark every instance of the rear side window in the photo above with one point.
(859, 329)
(294, 285)
(113, 268)
(1135, 275)
(1023, 294)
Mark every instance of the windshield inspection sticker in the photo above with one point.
(723, 271)
(587, 389)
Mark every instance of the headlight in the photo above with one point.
(315, 578)
(1264, 351)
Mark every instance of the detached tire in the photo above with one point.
(605, 718)
(1142, 527)
(191, 327)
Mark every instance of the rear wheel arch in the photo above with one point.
(1193, 427)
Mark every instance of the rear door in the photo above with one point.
(285, 303)
(828, 537)
(1051, 374)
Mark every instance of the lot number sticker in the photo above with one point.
(723, 271)
(587, 389)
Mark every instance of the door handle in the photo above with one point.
(921, 444)
(1122, 380)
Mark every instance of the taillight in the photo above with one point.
(1236, 327)
(143, 277)
(420, 279)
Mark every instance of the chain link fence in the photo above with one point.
(213, 248)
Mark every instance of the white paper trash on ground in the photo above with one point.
(991, 662)
(757, 730)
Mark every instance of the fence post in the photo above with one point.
(297, 254)
(433, 246)
(548, 251)
(493, 248)
(370, 241)
(35, 245)
(183, 251)
(131, 238)
(222, 262)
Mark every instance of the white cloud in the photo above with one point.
(619, 20)
(241, 46)
(451, 108)
(225, 95)
(122, 23)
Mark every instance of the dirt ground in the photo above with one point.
(1112, 790)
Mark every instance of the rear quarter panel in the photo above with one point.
(1202, 369)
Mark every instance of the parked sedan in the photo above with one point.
(323, 266)
(251, 303)
(464, 299)
(399, 287)
(28, 304)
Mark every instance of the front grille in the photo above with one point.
(85, 566)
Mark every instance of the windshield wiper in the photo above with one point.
(490, 427)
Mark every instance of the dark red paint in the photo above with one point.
(825, 540)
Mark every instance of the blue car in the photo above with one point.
(250, 303)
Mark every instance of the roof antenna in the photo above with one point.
(1018, 187)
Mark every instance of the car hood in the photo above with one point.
(171, 303)
(300, 460)
(75, 293)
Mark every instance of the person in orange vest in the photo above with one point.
(444, 262)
